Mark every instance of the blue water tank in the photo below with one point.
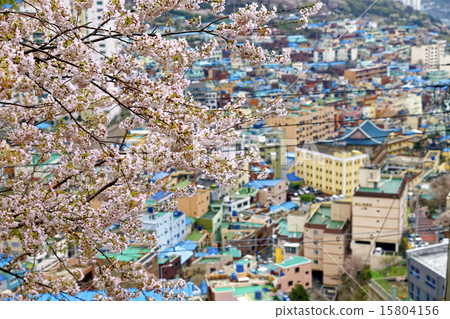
(239, 267)
(234, 213)
(199, 227)
(233, 275)
(281, 274)
(237, 226)
(150, 210)
(190, 288)
(258, 295)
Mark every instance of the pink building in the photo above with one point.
(293, 271)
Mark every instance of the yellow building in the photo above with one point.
(196, 205)
(326, 239)
(331, 170)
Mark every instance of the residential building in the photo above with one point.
(426, 275)
(332, 170)
(292, 271)
(366, 73)
(212, 222)
(274, 191)
(146, 257)
(415, 4)
(378, 213)
(305, 123)
(169, 228)
(429, 55)
(326, 239)
(196, 205)
(169, 266)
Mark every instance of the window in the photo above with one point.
(307, 284)
(418, 293)
(290, 283)
(307, 273)
(411, 291)
(297, 269)
(316, 252)
(430, 282)
(316, 262)
(415, 272)
(316, 232)
(213, 269)
(427, 296)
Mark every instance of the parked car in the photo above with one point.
(378, 251)
(415, 238)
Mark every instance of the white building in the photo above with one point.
(431, 55)
(169, 228)
(415, 4)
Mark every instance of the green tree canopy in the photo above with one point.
(299, 294)
(307, 198)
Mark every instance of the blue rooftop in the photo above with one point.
(366, 133)
(160, 195)
(160, 175)
(285, 206)
(43, 125)
(260, 184)
(293, 178)
(89, 295)
(185, 249)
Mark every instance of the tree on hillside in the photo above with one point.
(298, 293)
(54, 71)
(440, 188)
(307, 198)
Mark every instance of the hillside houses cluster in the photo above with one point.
(363, 134)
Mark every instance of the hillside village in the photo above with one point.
(349, 185)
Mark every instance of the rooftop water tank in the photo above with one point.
(258, 295)
(239, 267)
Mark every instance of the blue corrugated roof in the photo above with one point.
(160, 195)
(293, 178)
(160, 175)
(185, 249)
(260, 184)
(89, 295)
(285, 206)
(5, 260)
(43, 126)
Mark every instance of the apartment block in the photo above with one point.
(332, 170)
(326, 239)
(427, 272)
(431, 55)
(305, 123)
(379, 212)
(169, 228)
(363, 74)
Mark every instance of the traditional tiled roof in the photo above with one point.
(365, 134)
